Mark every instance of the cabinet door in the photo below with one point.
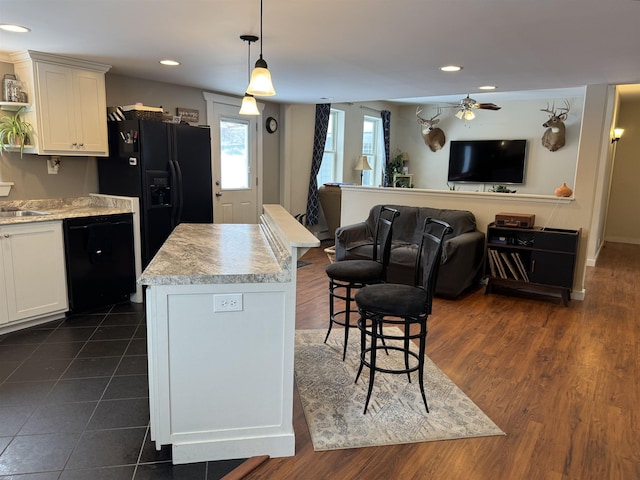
(34, 270)
(91, 116)
(57, 120)
(551, 268)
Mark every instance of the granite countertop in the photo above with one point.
(61, 208)
(216, 253)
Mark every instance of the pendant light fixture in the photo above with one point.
(249, 106)
(260, 84)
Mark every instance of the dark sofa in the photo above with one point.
(462, 255)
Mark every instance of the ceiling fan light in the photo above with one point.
(260, 83)
(249, 106)
(469, 115)
(459, 114)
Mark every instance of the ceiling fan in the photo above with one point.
(467, 105)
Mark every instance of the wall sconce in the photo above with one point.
(617, 133)
(362, 164)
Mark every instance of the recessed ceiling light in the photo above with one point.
(487, 87)
(172, 63)
(14, 28)
(451, 68)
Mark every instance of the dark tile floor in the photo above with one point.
(74, 403)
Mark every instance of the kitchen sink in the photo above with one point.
(20, 213)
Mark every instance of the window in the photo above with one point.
(234, 147)
(331, 167)
(373, 149)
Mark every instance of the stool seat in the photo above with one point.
(357, 271)
(392, 299)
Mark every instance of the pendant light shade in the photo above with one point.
(261, 84)
(249, 106)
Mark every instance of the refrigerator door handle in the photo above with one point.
(180, 192)
(175, 194)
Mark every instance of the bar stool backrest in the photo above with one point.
(429, 256)
(383, 236)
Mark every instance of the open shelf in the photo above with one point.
(13, 106)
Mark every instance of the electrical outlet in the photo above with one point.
(53, 164)
(231, 302)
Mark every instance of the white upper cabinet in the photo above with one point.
(68, 103)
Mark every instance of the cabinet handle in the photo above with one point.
(533, 266)
(74, 144)
(82, 144)
(6, 235)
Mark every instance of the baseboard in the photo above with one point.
(631, 240)
(578, 294)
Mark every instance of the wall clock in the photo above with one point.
(271, 124)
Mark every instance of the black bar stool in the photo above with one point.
(348, 275)
(387, 304)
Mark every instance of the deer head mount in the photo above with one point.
(554, 136)
(434, 138)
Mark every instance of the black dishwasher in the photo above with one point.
(100, 260)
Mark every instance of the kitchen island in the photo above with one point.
(220, 302)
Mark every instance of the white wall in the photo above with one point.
(623, 222)
(545, 170)
(517, 119)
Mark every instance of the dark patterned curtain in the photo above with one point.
(319, 138)
(386, 131)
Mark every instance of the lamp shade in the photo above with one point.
(362, 163)
(617, 133)
(249, 106)
(260, 83)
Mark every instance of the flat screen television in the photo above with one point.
(487, 161)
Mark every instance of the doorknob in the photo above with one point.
(218, 194)
(218, 183)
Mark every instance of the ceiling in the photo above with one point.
(344, 50)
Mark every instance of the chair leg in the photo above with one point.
(363, 345)
(347, 323)
(331, 309)
(422, 349)
(372, 361)
(407, 332)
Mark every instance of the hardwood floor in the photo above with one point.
(563, 383)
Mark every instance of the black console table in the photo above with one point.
(540, 260)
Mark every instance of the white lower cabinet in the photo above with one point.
(32, 271)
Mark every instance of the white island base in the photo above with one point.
(221, 333)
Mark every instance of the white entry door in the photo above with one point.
(237, 164)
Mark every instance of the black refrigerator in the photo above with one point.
(167, 166)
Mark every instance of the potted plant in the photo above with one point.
(501, 189)
(394, 166)
(14, 132)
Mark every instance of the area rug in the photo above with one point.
(333, 404)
